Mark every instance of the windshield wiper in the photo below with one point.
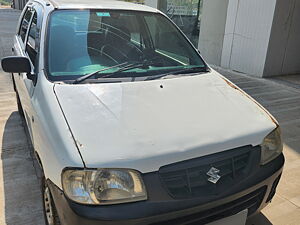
(143, 64)
(124, 67)
(129, 66)
(85, 77)
(199, 69)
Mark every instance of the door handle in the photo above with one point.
(13, 49)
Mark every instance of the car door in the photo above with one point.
(19, 50)
(28, 43)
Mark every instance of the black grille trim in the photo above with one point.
(189, 179)
(250, 201)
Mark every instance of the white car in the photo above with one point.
(130, 125)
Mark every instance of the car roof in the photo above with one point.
(100, 4)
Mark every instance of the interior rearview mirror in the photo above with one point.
(16, 64)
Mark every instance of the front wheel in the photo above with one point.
(50, 213)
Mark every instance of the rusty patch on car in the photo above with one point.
(230, 84)
(248, 96)
(79, 144)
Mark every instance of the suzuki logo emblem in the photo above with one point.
(213, 174)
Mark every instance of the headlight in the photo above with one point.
(271, 146)
(103, 186)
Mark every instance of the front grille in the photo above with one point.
(189, 179)
(251, 202)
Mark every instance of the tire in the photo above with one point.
(50, 212)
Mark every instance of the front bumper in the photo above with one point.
(254, 193)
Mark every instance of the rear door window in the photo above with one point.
(34, 33)
(31, 47)
(25, 23)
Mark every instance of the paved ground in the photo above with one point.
(282, 99)
(291, 80)
(19, 187)
(20, 198)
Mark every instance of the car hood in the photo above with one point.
(145, 125)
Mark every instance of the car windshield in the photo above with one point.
(81, 42)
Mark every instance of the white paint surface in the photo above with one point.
(138, 124)
(142, 126)
(101, 4)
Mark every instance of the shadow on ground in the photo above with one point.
(22, 196)
(259, 219)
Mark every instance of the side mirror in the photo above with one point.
(16, 64)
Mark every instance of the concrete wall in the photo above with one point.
(152, 3)
(260, 38)
(19, 4)
(283, 55)
(212, 29)
(247, 35)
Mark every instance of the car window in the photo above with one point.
(134, 27)
(31, 47)
(167, 40)
(25, 23)
(84, 41)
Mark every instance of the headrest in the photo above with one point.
(117, 34)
